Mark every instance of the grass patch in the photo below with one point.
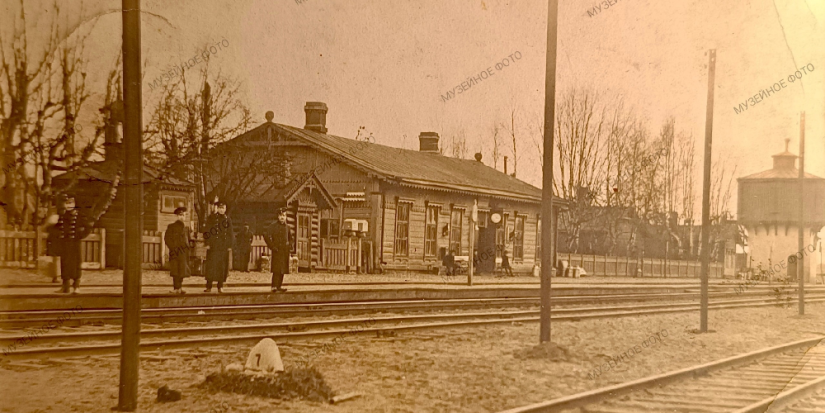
(295, 383)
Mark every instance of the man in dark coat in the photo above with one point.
(449, 262)
(242, 250)
(219, 237)
(505, 264)
(279, 240)
(70, 229)
(177, 238)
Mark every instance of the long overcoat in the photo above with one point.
(219, 237)
(70, 229)
(177, 239)
(279, 239)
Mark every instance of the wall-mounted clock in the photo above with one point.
(495, 217)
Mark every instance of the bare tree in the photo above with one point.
(458, 145)
(496, 151)
(186, 129)
(580, 130)
(42, 93)
(512, 131)
(623, 129)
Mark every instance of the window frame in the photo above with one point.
(482, 222)
(502, 234)
(402, 245)
(431, 227)
(165, 196)
(461, 211)
(518, 239)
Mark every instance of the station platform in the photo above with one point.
(26, 290)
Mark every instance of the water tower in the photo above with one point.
(768, 208)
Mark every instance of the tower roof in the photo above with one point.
(784, 167)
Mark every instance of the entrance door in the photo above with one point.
(302, 240)
(486, 249)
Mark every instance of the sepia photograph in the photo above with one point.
(471, 206)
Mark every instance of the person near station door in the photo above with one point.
(449, 262)
(279, 239)
(71, 228)
(219, 237)
(177, 239)
(505, 264)
(242, 250)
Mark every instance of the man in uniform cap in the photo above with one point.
(279, 240)
(177, 238)
(70, 230)
(219, 237)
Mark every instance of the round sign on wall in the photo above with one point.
(496, 218)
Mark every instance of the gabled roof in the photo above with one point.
(284, 195)
(408, 167)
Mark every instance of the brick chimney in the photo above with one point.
(113, 130)
(316, 116)
(428, 142)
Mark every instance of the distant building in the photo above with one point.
(162, 194)
(768, 208)
(404, 208)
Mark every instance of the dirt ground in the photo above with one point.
(456, 370)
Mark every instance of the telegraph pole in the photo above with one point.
(473, 220)
(703, 312)
(801, 242)
(547, 247)
(133, 200)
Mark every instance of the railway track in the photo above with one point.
(90, 316)
(783, 378)
(106, 342)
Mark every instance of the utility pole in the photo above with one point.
(547, 247)
(473, 220)
(133, 200)
(703, 313)
(801, 242)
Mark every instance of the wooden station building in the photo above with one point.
(402, 208)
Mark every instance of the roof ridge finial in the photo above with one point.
(787, 142)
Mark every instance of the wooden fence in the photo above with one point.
(259, 249)
(334, 256)
(599, 265)
(17, 249)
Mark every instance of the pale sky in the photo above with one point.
(385, 64)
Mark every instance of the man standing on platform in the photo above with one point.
(279, 240)
(219, 238)
(243, 248)
(70, 230)
(449, 262)
(177, 238)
